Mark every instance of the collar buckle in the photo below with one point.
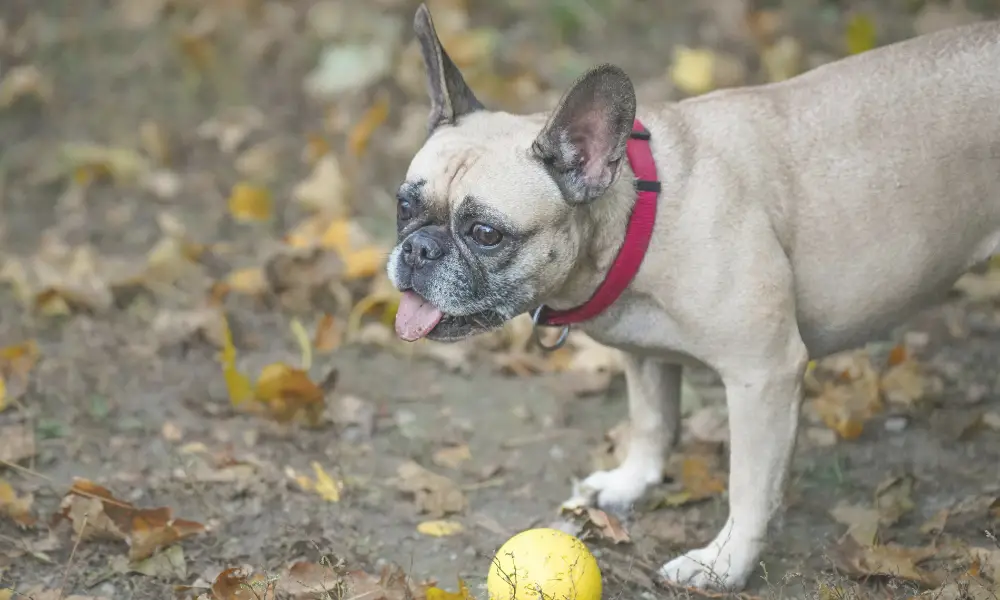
(536, 323)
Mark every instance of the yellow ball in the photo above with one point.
(544, 560)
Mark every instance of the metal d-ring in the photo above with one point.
(536, 324)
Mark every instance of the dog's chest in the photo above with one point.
(642, 329)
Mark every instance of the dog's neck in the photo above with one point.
(602, 227)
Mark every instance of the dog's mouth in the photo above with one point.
(417, 318)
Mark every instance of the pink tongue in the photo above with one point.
(415, 317)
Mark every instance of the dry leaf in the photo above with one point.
(890, 560)
(374, 117)
(288, 392)
(325, 190)
(92, 162)
(463, 593)
(241, 584)
(237, 384)
(325, 485)
(606, 526)
(16, 362)
(155, 141)
(893, 498)
(859, 35)
(17, 442)
(96, 514)
(302, 339)
(24, 81)
(250, 281)
(451, 457)
(434, 494)
(168, 564)
(328, 335)
(936, 524)
(440, 528)
(17, 508)
(862, 522)
(250, 203)
(699, 480)
(904, 383)
(845, 407)
(297, 276)
(259, 163)
(693, 70)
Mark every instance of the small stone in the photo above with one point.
(895, 424)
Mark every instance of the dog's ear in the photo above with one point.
(583, 142)
(450, 96)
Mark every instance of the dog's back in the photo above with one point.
(903, 161)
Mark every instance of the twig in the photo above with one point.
(72, 555)
(25, 470)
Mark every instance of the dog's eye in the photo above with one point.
(404, 209)
(485, 236)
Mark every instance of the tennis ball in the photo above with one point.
(544, 563)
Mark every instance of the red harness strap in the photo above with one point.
(637, 236)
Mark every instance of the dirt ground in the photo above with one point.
(139, 143)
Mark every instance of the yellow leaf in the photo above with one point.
(250, 203)
(693, 70)
(288, 391)
(302, 337)
(3, 394)
(17, 508)
(374, 117)
(366, 305)
(325, 485)
(859, 34)
(436, 593)
(337, 236)
(440, 528)
(363, 263)
(251, 281)
(316, 148)
(328, 335)
(6, 594)
(237, 384)
(197, 50)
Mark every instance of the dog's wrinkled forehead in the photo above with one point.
(487, 156)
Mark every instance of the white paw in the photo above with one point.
(710, 568)
(617, 489)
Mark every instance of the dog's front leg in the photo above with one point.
(763, 404)
(654, 399)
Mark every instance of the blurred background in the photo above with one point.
(196, 203)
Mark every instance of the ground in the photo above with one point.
(167, 162)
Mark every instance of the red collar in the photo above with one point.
(637, 236)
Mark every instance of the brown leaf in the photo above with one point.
(935, 524)
(312, 581)
(904, 383)
(889, 560)
(434, 494)
(17, 443)
(605, 525)
(17, 508)
(451, 457)
(893, 498)
(845, 407)
(288, 392)
(862, 522)
(96, 514)
(240, 584)
(700, 479)
(328, 335)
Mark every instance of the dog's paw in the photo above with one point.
(615, 490)
(709, 568)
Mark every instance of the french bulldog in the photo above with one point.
(792, 220)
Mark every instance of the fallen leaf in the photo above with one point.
(259, 163)
(197, 50)
(935, 524)
(699, 481)
(693, 69)
(312, 581)
(844, 407)
(288, 392)
(328, 336)
(59, 279)
(374, 117)
(463, 593)
(155, 141)
(240, 584)
(859, 35)
(325, 485)
(893, 498)
(250, 203)
(904, 383)
(17, 442)
(862, 522)
(25, 81)
(250, 281)
(95, 513)
(451, 457)
(434, 494)
(325, 190)
(92, 162)
(440, 528)
(316, 148)
(606, 526)
(169, 564)
(298, 275)
(237, 384)
(17, 508)
(889, 560)
(302, 338)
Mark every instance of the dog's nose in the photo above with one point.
(421, 248)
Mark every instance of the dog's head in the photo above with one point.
(497, 210)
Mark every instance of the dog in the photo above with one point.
(748, 230)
